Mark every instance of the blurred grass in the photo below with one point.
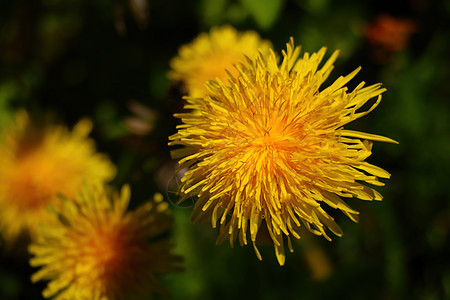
(92, 58)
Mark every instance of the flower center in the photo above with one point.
(275, 138)
(31, 184)
(107, 249)
(38, 177)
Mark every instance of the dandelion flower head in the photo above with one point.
(96, 250)
(37, 163)
(210, 55)
(269, 148)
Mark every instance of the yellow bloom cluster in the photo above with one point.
(262, 145)
(268, 148)
(52, 186)
(96, 250)
(39, 162)
(211, 55)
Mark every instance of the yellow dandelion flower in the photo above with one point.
(96, 250)
(209, 55)
(269, 148)
(38, 163)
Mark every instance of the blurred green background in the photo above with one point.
(108, 60)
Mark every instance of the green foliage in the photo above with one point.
(212, 11)
(265, 12)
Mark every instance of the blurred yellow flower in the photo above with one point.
(210, 55)
(37, 163)
(96, 250)
(269, 148)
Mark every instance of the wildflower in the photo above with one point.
(387, 34)
(38, 163)
(95, 249)
(269, 148)
(210, 55)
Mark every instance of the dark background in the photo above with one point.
(108, 60)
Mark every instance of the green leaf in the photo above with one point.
(212, 11)
(314, 7)
(265, 12)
